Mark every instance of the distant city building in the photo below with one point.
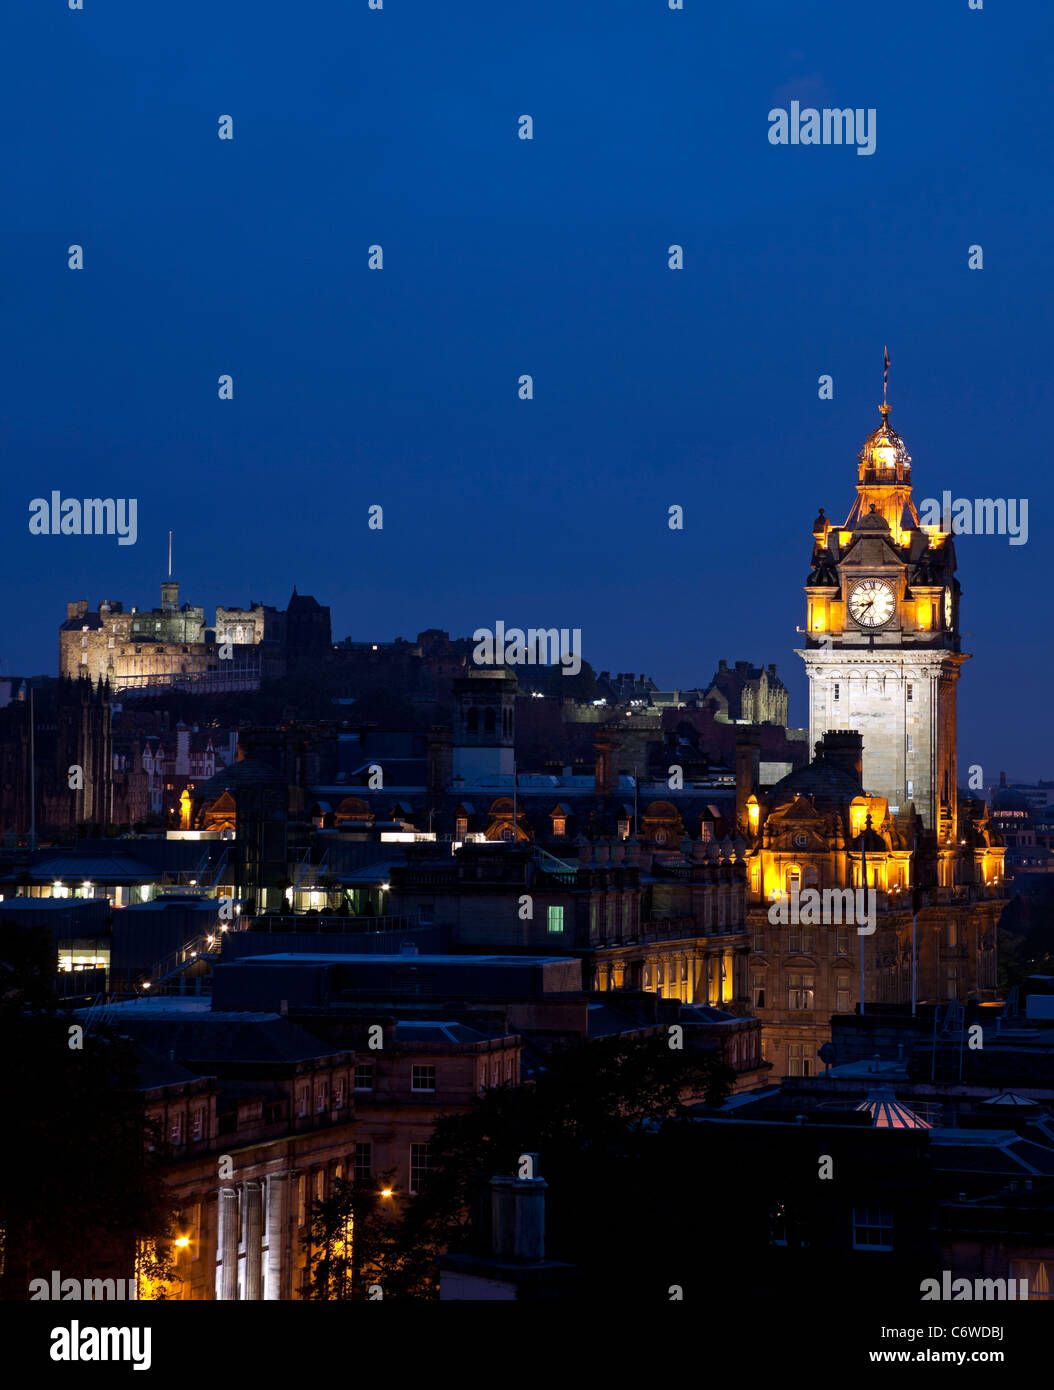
(170, 647)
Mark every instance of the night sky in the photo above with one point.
(501, 257)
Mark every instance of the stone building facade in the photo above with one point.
(172, 646)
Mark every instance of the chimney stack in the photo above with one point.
(518, 1217)
(844, 748)
(605, 745)
(748, 768)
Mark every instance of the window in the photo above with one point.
(301, 1200)
(872, 1228)
(461, 827)
(339, 1090)
(175, 1129)
(841, 994)
(594, 916)
(422, 1078)
(759, 938)
(777, 1224)
(556, 919)
(559, 825)
(1039, 1274)
(799, 991)
(320, 1184)
(364, 1077)
(953, 932)
(911, 692)
(837, 690)
(322, 1100)
(758, 983)
(197, 1123)
(303, 1100)
(426, 915)
(911, 788)
(420, 1163)
(488, 722)
(842, 941)
(799, 1063)
(363, 1162)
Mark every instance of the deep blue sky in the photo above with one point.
(652, 387)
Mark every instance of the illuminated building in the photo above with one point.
(882, 653)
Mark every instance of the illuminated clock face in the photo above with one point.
(872, 603)
(948, 609)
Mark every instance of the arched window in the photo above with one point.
(792, 878)
(488, 722)
(473, 721)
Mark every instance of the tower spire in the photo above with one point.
(884, 407)
(170, 554)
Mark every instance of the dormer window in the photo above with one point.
(461, 827)
(559, 825)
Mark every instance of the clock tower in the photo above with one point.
(882, 649)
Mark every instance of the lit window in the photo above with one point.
(559, 825)
(777, 1224)
(423, 1078)
(556, 919)
(420, 1164)
(799, 991)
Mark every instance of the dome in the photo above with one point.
(884, 457)
(873, 521)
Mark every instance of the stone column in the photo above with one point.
(276, 1273)
(227, 1269)
(253, 1240)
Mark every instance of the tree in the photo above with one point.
(82, 1173)
(349, 1240)
(604, 1118)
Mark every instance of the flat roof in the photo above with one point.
(339, 957)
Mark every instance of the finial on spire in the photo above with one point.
(170, 554)
(884, 407)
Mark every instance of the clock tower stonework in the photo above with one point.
(882, 650)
